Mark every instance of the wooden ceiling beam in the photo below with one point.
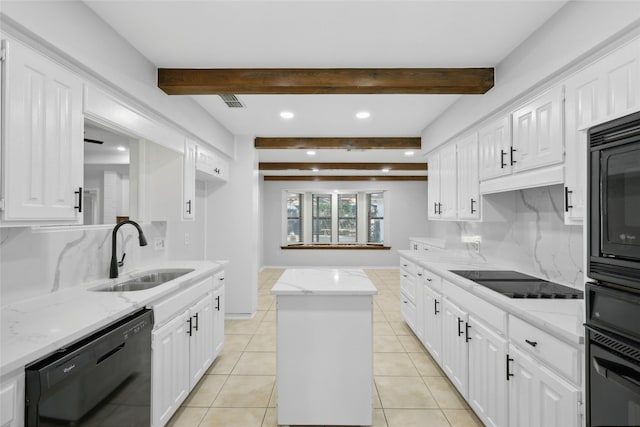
(274, 166)
(359, 143)
(345, 178)
(310, 81)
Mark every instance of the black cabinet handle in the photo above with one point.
(435, 208)
(79, 193)
(460, 321)
(196, 325)
(435, 307)
(513, 150)
(218, 303)
(509, 374)
(531, 343)
(190, 326)
(189, 206)
(429, 280)
(420, 274)
(567, 206)
(216, 170)
(439, 208)
(502, 163)
(472, 202)
(467, 338)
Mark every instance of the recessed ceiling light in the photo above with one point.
(385, 170)
(409, 153)
(363, 114)
(311, 153)
(315, 169)
(287, 115)
(121, 148)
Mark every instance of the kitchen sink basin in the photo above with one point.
(147, 280)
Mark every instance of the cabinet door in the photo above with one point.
(487, 378)
(467, 177)
(619, 74)
(448, 182)
(538, 397)
(455, 351)
(494, 143)
(433, 186)
(419, 306)
(202, 336)
(189, 180)
(218, 314)
(432, 309)
(581, 110)
(537, 132)
(170, 368)
(42, 140)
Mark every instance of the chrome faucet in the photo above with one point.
(113, 270)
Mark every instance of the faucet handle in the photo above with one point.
(121, 262)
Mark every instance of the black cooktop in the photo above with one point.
(517, 285)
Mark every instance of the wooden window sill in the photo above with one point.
(339, 247)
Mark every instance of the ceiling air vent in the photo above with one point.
(232, 101)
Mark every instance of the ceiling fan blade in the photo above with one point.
(93, 141)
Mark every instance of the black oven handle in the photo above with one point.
(623, 375)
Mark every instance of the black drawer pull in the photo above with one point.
(79, 193)
(531, 343)
(513, 150)
(460, 321)
(467, 338)
(567, 206)
(502, 163)
(435, 307)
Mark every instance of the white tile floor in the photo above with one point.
(239, 388)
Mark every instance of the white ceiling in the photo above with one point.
(326, 34)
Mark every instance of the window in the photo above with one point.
(294, 218)
(375, 225)
(337, 218)
(347, 218)
(321, 228)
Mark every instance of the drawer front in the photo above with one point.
(408, 267)
(165, 310)
(555, 353)
(432, 280)
(408, 287)
(489, 313)
(408, 310)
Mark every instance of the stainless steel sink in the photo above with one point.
(147, 280)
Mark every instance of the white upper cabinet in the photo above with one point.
(537, 132)
(608, 89)
(42, 140)
(494, 144)
(189, 180)
(442, 183)
(467, 177)
(211, 167)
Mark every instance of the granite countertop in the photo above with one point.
(562, 318)
(33, 328)
(323, 281)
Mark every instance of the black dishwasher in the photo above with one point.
(101, 380)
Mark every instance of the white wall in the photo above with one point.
(405, 216)
(233, 227)
(577, 30)
(78, 34)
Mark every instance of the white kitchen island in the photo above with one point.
(324, 347)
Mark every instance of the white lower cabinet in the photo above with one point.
(170, 376)
(510, 372)
(189, 336)
(455, 351)
(432, 331)
(487, 376)
(218, 314)
(12, 400)
(539, 397)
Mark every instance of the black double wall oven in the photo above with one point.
(613, 300)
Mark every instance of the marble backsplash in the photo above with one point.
(36, 261)
(522, 230)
